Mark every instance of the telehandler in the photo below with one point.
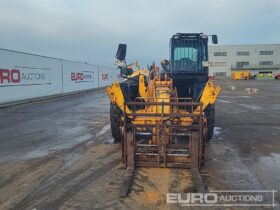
(163, 117)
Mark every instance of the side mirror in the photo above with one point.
(126, 72)
(121, 53)
(214, 39)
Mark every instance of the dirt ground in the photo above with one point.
(58, 153)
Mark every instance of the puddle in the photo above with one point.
(245, 96)
(55, 146)
(235, 96)
(217, 130)
(35, 154)
(237, 110)
(109, 141)
(224, 101)
(71, 158)
(272, 161)
(276, 106)
(103, 130)
(100, 133)
(267, 169)
(253, 107)
(235, 174)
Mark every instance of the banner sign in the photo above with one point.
(24, 76)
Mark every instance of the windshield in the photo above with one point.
(187, 56)
(187, 53)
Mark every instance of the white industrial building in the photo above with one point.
(256, 58)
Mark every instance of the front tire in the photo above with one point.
(210, 114)
(115, 119)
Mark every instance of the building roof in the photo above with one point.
(244, 45)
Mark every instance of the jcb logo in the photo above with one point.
(9, 76)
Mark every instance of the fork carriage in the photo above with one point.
(161, 139)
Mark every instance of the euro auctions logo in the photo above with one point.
(77, 76)
(83, 76)
(9, 76)
(224, 198)
(24, 76)
(106, 76)
(192, 198)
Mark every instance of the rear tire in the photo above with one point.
(115, 119)
(210, 114)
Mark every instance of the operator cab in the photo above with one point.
(189, 53)
(189, 64)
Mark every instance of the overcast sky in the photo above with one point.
(90, 30)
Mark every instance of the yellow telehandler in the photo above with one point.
(163, 117)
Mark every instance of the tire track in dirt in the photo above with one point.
(56, 203)
(26, 183)
(26, 169)
(52, 193)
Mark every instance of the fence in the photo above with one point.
(25, 77)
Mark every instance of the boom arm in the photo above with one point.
(116, 96)
(209, 95)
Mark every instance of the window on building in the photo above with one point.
(267, 52)
(243, 53)
(240, 65)
(218, 63)
(220, 53)
(263, 63)
(219, 74)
